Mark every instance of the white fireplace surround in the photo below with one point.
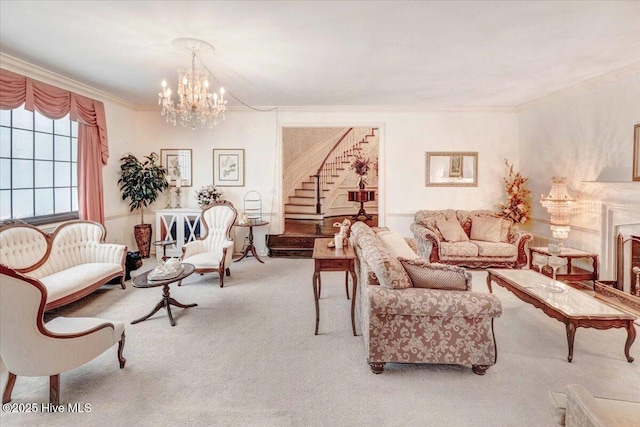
(618, 217)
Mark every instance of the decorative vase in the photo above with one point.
(142, 233)
(361, 182)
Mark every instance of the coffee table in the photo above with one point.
(572, 307)
(142, 281)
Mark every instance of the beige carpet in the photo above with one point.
(247, 356)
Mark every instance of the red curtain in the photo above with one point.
(93, 148)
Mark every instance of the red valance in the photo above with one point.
(54, 103)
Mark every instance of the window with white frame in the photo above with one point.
(38, 167)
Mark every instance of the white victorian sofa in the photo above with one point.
(71, 262)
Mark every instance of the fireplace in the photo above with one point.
(624, 220)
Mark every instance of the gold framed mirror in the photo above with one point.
(452, 169)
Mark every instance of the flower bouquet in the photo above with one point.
(207, 195)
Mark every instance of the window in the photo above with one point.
(38, 167)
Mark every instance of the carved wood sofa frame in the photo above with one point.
(50, 238)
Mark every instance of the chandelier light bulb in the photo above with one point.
(195, 104)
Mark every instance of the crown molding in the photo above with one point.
(392, 109)
(19, 66)
(584, 86)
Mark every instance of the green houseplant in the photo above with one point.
(141, 182)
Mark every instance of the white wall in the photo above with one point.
(405, 137)
(585, 136)
(255, 132)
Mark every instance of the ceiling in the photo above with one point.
(323, 53)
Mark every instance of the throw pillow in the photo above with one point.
(451, 230)
(397, 244)
(436, 276)
(486, 229)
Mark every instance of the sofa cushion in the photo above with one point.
(495, 249)
(486, 229)
(74, 279)
(436, 276)
(384, 264)
(458, 249)
(451, 230)
(397, 245)
(359, 229)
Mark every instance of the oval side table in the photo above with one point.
(142, 281)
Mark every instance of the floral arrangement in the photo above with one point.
(361, 163)
(207, 195)
(518, 205)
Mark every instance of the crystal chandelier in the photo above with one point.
(197, 105)
(558, 204)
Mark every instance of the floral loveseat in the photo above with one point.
(431, 316)
(71, 262)
(482, 238)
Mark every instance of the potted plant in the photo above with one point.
(141, 182)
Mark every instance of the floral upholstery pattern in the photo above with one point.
(424, 274)
(431, 245)
(421, 325)
(386, 267)
(458, 249)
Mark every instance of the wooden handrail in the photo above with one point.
(327, 169)
(332, 150)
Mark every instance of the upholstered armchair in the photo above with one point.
(31, 348)
(213, 251)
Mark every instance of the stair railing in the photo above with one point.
(336, 158)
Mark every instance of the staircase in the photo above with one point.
(309, 195)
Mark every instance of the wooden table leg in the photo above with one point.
(571, 333)
(353, 301)
(489, 283)
(316, 297)
(631, 337)
(346, 283)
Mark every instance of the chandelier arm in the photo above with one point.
(231, 93)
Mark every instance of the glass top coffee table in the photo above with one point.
(142, 281)
(570, 306)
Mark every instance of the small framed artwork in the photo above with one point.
(228, 167)
(636, 152)
(455, 166)
(177, 161)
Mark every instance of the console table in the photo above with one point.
(179, 225)
(362, 197)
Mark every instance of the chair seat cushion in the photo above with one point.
(74, 279)
(464, 249)
(205, 259)
(496, 249)
(73, 325)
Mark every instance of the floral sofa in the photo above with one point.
(71, 262)
(431, 316)
(479, 238)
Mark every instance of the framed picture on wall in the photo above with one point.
(177, 161)
(455, 166)
(636, 152)
(228, 167)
